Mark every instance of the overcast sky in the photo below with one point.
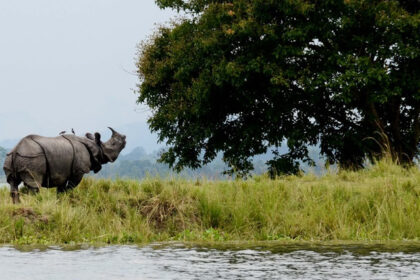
(67, 64)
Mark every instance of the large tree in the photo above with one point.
(242, 76)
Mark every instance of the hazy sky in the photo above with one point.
(67, 64)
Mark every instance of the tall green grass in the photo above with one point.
(381, 203)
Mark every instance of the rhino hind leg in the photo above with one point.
(14, 188)
(31, 180)
(14, 193)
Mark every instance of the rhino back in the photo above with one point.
(64, 157)
(34, 151)
(62, 153)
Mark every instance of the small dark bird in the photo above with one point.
(62, 132)
(72, 130)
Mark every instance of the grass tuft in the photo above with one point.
(381, 203)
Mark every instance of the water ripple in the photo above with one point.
(178, 262)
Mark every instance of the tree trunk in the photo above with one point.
(386, 147)
(396, 141)
(416, 132)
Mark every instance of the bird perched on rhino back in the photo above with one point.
(60, 162)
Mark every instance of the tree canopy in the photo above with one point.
(241, 77)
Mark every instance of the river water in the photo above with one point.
(198, 262)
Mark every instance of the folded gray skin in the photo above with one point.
(58, 161)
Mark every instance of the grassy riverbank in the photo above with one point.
(378, 204)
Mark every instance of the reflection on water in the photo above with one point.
(183, 262)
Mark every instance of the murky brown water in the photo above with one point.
(225, 262)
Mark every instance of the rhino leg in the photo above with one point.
(71, 183)
(32, 180)
(14, 188)
(15, 194)
(75, 180)
(33, 190)
(61, 189)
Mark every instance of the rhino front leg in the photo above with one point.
(75, 180)
(61, 189)
(71, 183)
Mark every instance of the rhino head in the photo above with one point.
(110, 149)
(113, 146)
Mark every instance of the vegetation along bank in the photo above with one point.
(381, 203)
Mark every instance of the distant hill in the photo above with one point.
(139, 163)
(8, 144)
(139, 153)
(3, 153)
(138, 134)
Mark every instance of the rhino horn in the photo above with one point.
(113, 131)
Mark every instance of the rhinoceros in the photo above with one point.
(58, 161)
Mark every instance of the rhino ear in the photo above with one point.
(97, 138)
(90, 136)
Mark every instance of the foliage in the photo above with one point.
(240, 76)
(381, 203)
